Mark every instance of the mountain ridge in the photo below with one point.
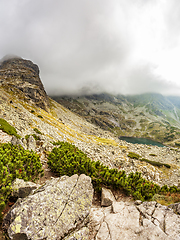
(61, 124)
(147, 115)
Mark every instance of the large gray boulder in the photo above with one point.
(57, 210)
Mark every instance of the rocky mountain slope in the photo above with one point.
(58, 123)
(49, 121)
(21, 77)
(148, 115)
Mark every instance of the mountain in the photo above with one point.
(21, 77)
(39, 121)
(148, 115)
(25, 105)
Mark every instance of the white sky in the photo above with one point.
(119, 46)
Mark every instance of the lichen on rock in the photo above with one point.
(54, 211)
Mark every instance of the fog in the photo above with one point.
(117, 46)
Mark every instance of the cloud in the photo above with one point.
(94, 46)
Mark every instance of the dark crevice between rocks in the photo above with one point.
(109, 230)
(78, 227)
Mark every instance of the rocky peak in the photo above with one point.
(23, 76)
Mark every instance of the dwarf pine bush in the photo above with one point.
(68, 160)
(15, 162)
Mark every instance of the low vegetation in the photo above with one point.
(37, 131)
(154, 163)
(134, 155)
(66, 159)
(15, 162)
(6, 127)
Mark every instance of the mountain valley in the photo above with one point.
(150, 116)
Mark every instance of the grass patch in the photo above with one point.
(37, 131)
(153, 155)
(6, 127)
(134, 155)
(154, 163)
(36, 137)
(106, 141)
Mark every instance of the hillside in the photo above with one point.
(148, 115)
(25, 105)
(56, 122)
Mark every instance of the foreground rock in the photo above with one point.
(126, 220)
(57, 210)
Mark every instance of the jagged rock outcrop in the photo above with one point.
(22, 76)
(128, 220)
(59, 209)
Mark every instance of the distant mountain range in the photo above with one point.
(149, 115)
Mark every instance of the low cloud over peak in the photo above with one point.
(121, 46)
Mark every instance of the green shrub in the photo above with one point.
(27, 136)
(6, 127)
(134, 155)
(37, 131)
(56, 143)
(36, 137)
(39, 116)
(153, 155)
(68, 160)
(15, 162)
(32, 111)
(154, 163)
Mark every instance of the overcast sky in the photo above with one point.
(118, 46)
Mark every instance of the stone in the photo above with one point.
(145, 221)
(82, 234)
(175, 207)
(59, 209)
(21, 189)
(19, 142)
(14, 140)
(31, 143)
(137, 202)
(107, 197)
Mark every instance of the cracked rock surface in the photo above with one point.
(125, 220)
(59, 209)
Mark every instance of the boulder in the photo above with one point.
(31, 143)
(175, 207)
(16, 141)
(21, 189)
(59, 209)
(126, 220)
(107, 197)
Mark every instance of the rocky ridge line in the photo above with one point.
(22, 76)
